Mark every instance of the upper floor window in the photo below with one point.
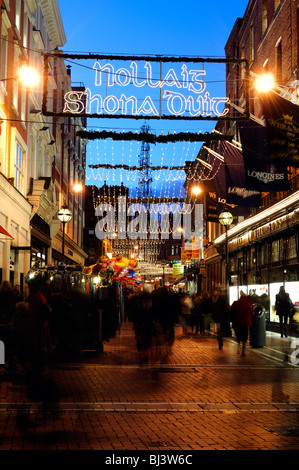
(243, 67)
(25, 30)
(23, 105)
(278, 62)
(19, 175)
(264, 16)
(251, 43)
(18, 15)
(3, 55)
(266, 65)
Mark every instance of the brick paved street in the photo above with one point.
(200, 398)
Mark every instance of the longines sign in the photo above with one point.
(139, 87)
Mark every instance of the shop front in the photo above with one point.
(264, 255)
(15, 214)
(40, 242)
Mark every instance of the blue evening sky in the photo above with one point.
(134, 27)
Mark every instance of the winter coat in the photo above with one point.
(241, 312)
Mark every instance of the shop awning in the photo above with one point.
(4, 234)
(183, 277)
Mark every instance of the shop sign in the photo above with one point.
(177, 270)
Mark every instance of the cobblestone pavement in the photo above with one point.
(196, 398)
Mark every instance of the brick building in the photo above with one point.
(262, 244)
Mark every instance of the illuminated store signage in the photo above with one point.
(140, 88)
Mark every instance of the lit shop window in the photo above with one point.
(38, 258)
(275, 251)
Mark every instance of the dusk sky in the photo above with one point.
(134, 27)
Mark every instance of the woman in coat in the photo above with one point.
(283, 307)
(241, 313)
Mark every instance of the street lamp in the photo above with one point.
(196, 190)
(27, 76)
(78, 187)
(264, 82)
(226, 218)
(64, 215)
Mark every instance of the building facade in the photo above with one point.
(262, 246)
(31, 150)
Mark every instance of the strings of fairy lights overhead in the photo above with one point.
(110, 162)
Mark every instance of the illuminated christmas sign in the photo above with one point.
(142, 89)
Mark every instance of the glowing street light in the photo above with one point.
(78, 187)
(225, 218)
(265, 82)
(64, 215)
(196, 190)
(29, 76)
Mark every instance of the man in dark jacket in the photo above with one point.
(221, 315)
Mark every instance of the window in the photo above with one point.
(264, 16)
(266, 65)
(275, 251)
(25, 30)
(278, 62)
(243, 64)
(15, 97)
(18, 15)
(23, 105)
(252, 42)
(291, 247)
(19, 176)
(3, 55)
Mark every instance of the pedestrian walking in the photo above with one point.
(196, 314)
(241, 313)
(7, 302)
(206, 309)
(186, 306)
(18, 294)
(220, 314)
(283, 306)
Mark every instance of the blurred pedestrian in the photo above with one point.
(39, 313)
(196, 313)
(187, 307)
(241, 313)
(39, 386)
(206, 309)
(220, 314)
(283, 306)
(18, 294)
(61, 320)
(7, 302)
